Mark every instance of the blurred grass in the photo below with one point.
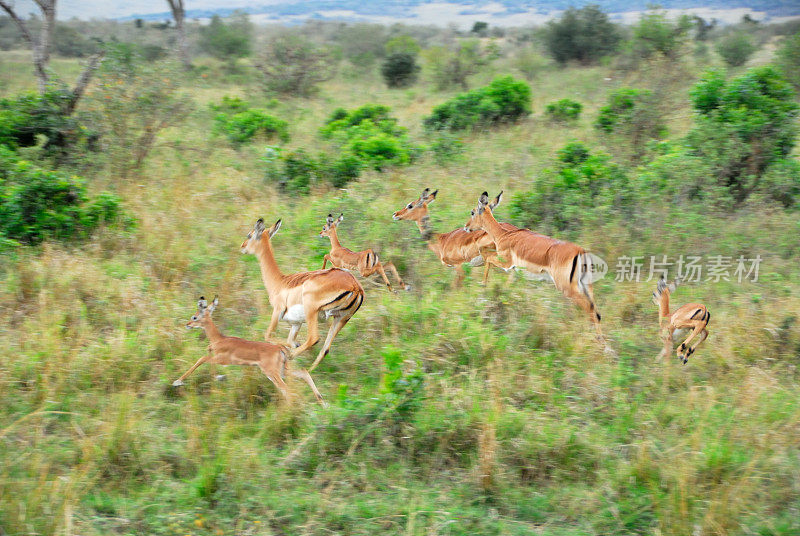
(522, 425)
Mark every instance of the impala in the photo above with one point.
(567, 264)
(694, 316)
(455, 248)
(305, 296)
(272, 359)
(364, 262)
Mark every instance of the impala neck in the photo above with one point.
(270, 273)
(211, 330)
(334, 239)
(424, 225)
(491, 226)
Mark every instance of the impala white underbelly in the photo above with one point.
(296, 314)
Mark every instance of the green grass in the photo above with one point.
(521, 424)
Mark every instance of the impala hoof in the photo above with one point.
(220, 377)
(177, 383)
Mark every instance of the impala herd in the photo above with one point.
(305, 297)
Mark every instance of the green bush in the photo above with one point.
(564, 110)
(788, 59)
(505, 100)
(742, 126)
(243, 126)
(372, 135)
(293, 65)
(227, 41)
(581, 187)
(37, 204)
(297, 171)
(400, 70)
(631, 119)
(656, 33)
(736, 48)
(27, 117)
(583, 35)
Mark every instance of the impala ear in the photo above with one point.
(496, 201)
(213, 305)
(274, 228)
(329, 219)
(484, 199)
(259, 228)
(432, 197)
(340, 219)
(202, 304)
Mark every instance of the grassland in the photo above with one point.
(509, 419)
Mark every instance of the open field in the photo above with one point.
(509, 418)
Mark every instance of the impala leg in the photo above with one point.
(306, 377)
(703, 336)
(460, 275)
(313, 332)
(326, 259)
(666, 337)
(380, 269)
(200, 361)
(682, 353)
(273, 323)
(336, 325)
(392, 268)
(276, 380)
(493, 259)
(292, 334)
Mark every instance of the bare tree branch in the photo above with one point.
(83, 81)
(40, 47)
(179, 14)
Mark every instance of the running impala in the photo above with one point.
(694, 316)
(454, 249)
(567, 264)
(304, 296)
(364, 262)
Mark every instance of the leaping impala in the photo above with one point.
(272, 359)
(567, 264)
(455, 248)
(364, 262)
(300, 298)
(694, 316)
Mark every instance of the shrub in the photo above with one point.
(25, 118)
(634, 118)
(656, 33)
(37, 204)
(452, 67)
(68, 42)
(583, 35)
(736, 48)
(582, 186)
(742, 126)
(291, 64)
(243, 126)
(372, 135)
(564, 110)
(505, 100)
(788, 59)
(297, 171)
(227, 41)
(400, 70)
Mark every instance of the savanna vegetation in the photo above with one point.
(471, 410)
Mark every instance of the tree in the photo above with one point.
(656, 33)
(292, 64)
(452, 67)
(743, 126)
(41, 50)
(400, 70)
(229, 41)
(630, 119)
(736, 48)
(584, 35)
(179, 14)
(480, 28)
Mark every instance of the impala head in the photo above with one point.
(477, 216)
(254, 237)
(417, 210)
(330, 225)
(204, 311)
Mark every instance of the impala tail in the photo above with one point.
(661, 296)
(581, 272)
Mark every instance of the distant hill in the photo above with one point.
(501, 12)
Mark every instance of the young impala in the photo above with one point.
(272, 359)
(364, 262)
(455, 248)
(303, 297)
(567, 264)
(694, 316)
